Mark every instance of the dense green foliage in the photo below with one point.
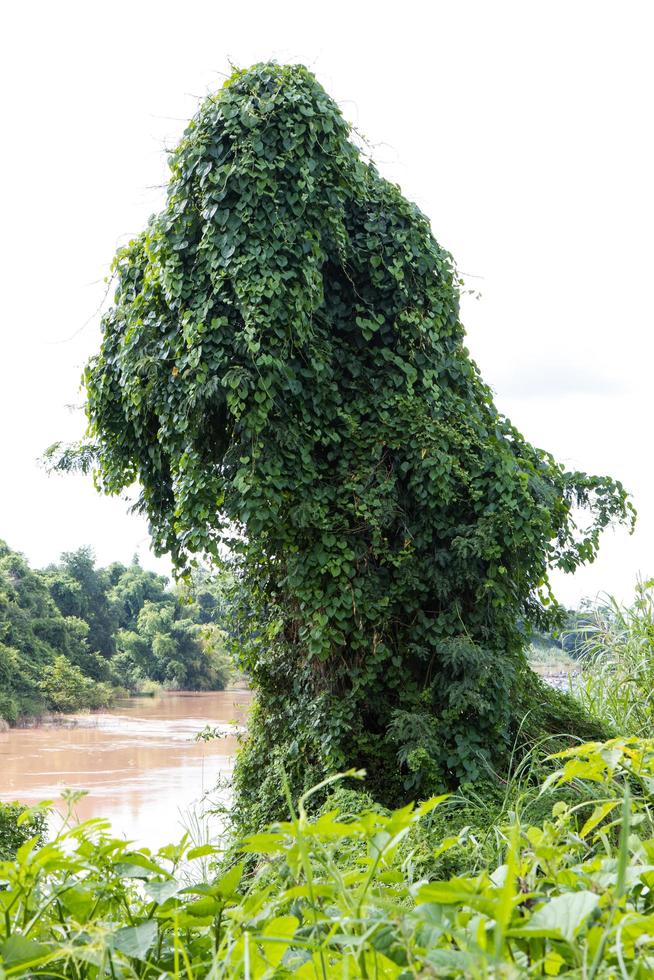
(16, 830)
(341, 895)
(174, 650)
(284, 371)
(74, 634)
(33, 633)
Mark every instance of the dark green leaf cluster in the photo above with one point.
(18, 826)
(284, 370)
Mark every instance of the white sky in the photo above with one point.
(523, 129)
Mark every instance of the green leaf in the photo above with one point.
(208, 906)
(264, 843)
(79, 900)
(597, 816)
(135, 941)
(276, 935)
(227, 884)
(561, 918)
(202, 851)
(161, 891)
(18, 949)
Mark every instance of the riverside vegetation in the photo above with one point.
(548, 873)
(359, 891)
(283, 371)
(73, 636)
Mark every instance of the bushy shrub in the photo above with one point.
(66, 688)
(17, 826)
(9, 708)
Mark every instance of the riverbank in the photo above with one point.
(139, 762)
(43, 717)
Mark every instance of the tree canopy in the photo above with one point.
(284, 372)
(73, 635)
(32, 633)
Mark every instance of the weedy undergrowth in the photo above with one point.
(617, 649)
(337, 895)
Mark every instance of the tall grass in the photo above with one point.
(617, 654)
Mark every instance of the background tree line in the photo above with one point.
(73, 635)
(572, 636)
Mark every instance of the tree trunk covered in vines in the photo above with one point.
(284, 372)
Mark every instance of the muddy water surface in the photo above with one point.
(139, 761)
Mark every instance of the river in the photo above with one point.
(139, 762)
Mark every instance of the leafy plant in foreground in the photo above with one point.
(336, 895)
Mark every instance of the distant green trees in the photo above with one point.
(72, 634)
(33, 632)
(571, 635)
(80, 589)
(174, 650)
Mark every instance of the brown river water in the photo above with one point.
(138, 761)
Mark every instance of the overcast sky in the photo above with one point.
(523, 129)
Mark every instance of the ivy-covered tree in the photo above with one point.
(284, 371)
